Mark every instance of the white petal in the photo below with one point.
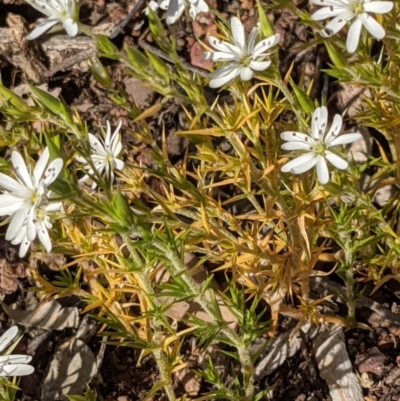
(43, 27)
(325, 3)
(347, 138)
(246, 73)
(322, 170)
(265, 44)
(259, 65)
(52, 171)
(31, 225)
(337, 161)
(7, 337)
(115, 143)
(334, 130)
(238, 32)
(117, 149)
(41, 166)
(108, 135)
(15, 359)
(175, 10)
(200, 5)
(297, 137)
(300, 164)
(71, 27)
(153, 5)
(378, 7)
(372, 26)
(119, 164)
(327, 12)
(223, 75)
(318, 122)
(225, 47)
(23, 248)
(12, 185)
(21, 169)
(296, 145)
(44, 237)
(323, 120)
(251, 40)
(337, 24)
(21, 236)
(53, 207)
(218, 56)
(97, 144)
(16, 370)
(8, 199)
(17, 221)
(353, 36)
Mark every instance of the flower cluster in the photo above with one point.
(65, 12)
(13, 365)
(343, 11)
(175, 8)
(242, 58)
(316, 146)
(105, 155)
(27, 200)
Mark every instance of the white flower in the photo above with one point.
(65, 12)
(42, 225)
(105, 154)
(316, 146)
(13, 365)
(342, 11)
(24, 195)
(242, 59)
(175, 8)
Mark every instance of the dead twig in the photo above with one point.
(324, 287)
(201, 71)
(120, 27)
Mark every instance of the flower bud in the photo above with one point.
(100, 73)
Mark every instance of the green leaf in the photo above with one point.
(159, 66)
(100, 73)
(336, 56)
(51, 103)
(265, 25)
(106, 47)
(7, 96)
(136, 58)
(304, 100)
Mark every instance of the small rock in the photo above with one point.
(196, 57)
(175, 144)
(374, 361)
(190, 381)
(366, 380)
(139, 92)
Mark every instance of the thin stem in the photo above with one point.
(157, 351)
(200, 297)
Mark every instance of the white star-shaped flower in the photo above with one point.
(105, 154)
(42, 225)
(342, 11)
(24, 195)
(13, 365)
(65, 12)
(316, 146)
(175, 8)
(242, 59)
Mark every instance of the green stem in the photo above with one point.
(200, 297)
(157, 351)
(256, 176)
